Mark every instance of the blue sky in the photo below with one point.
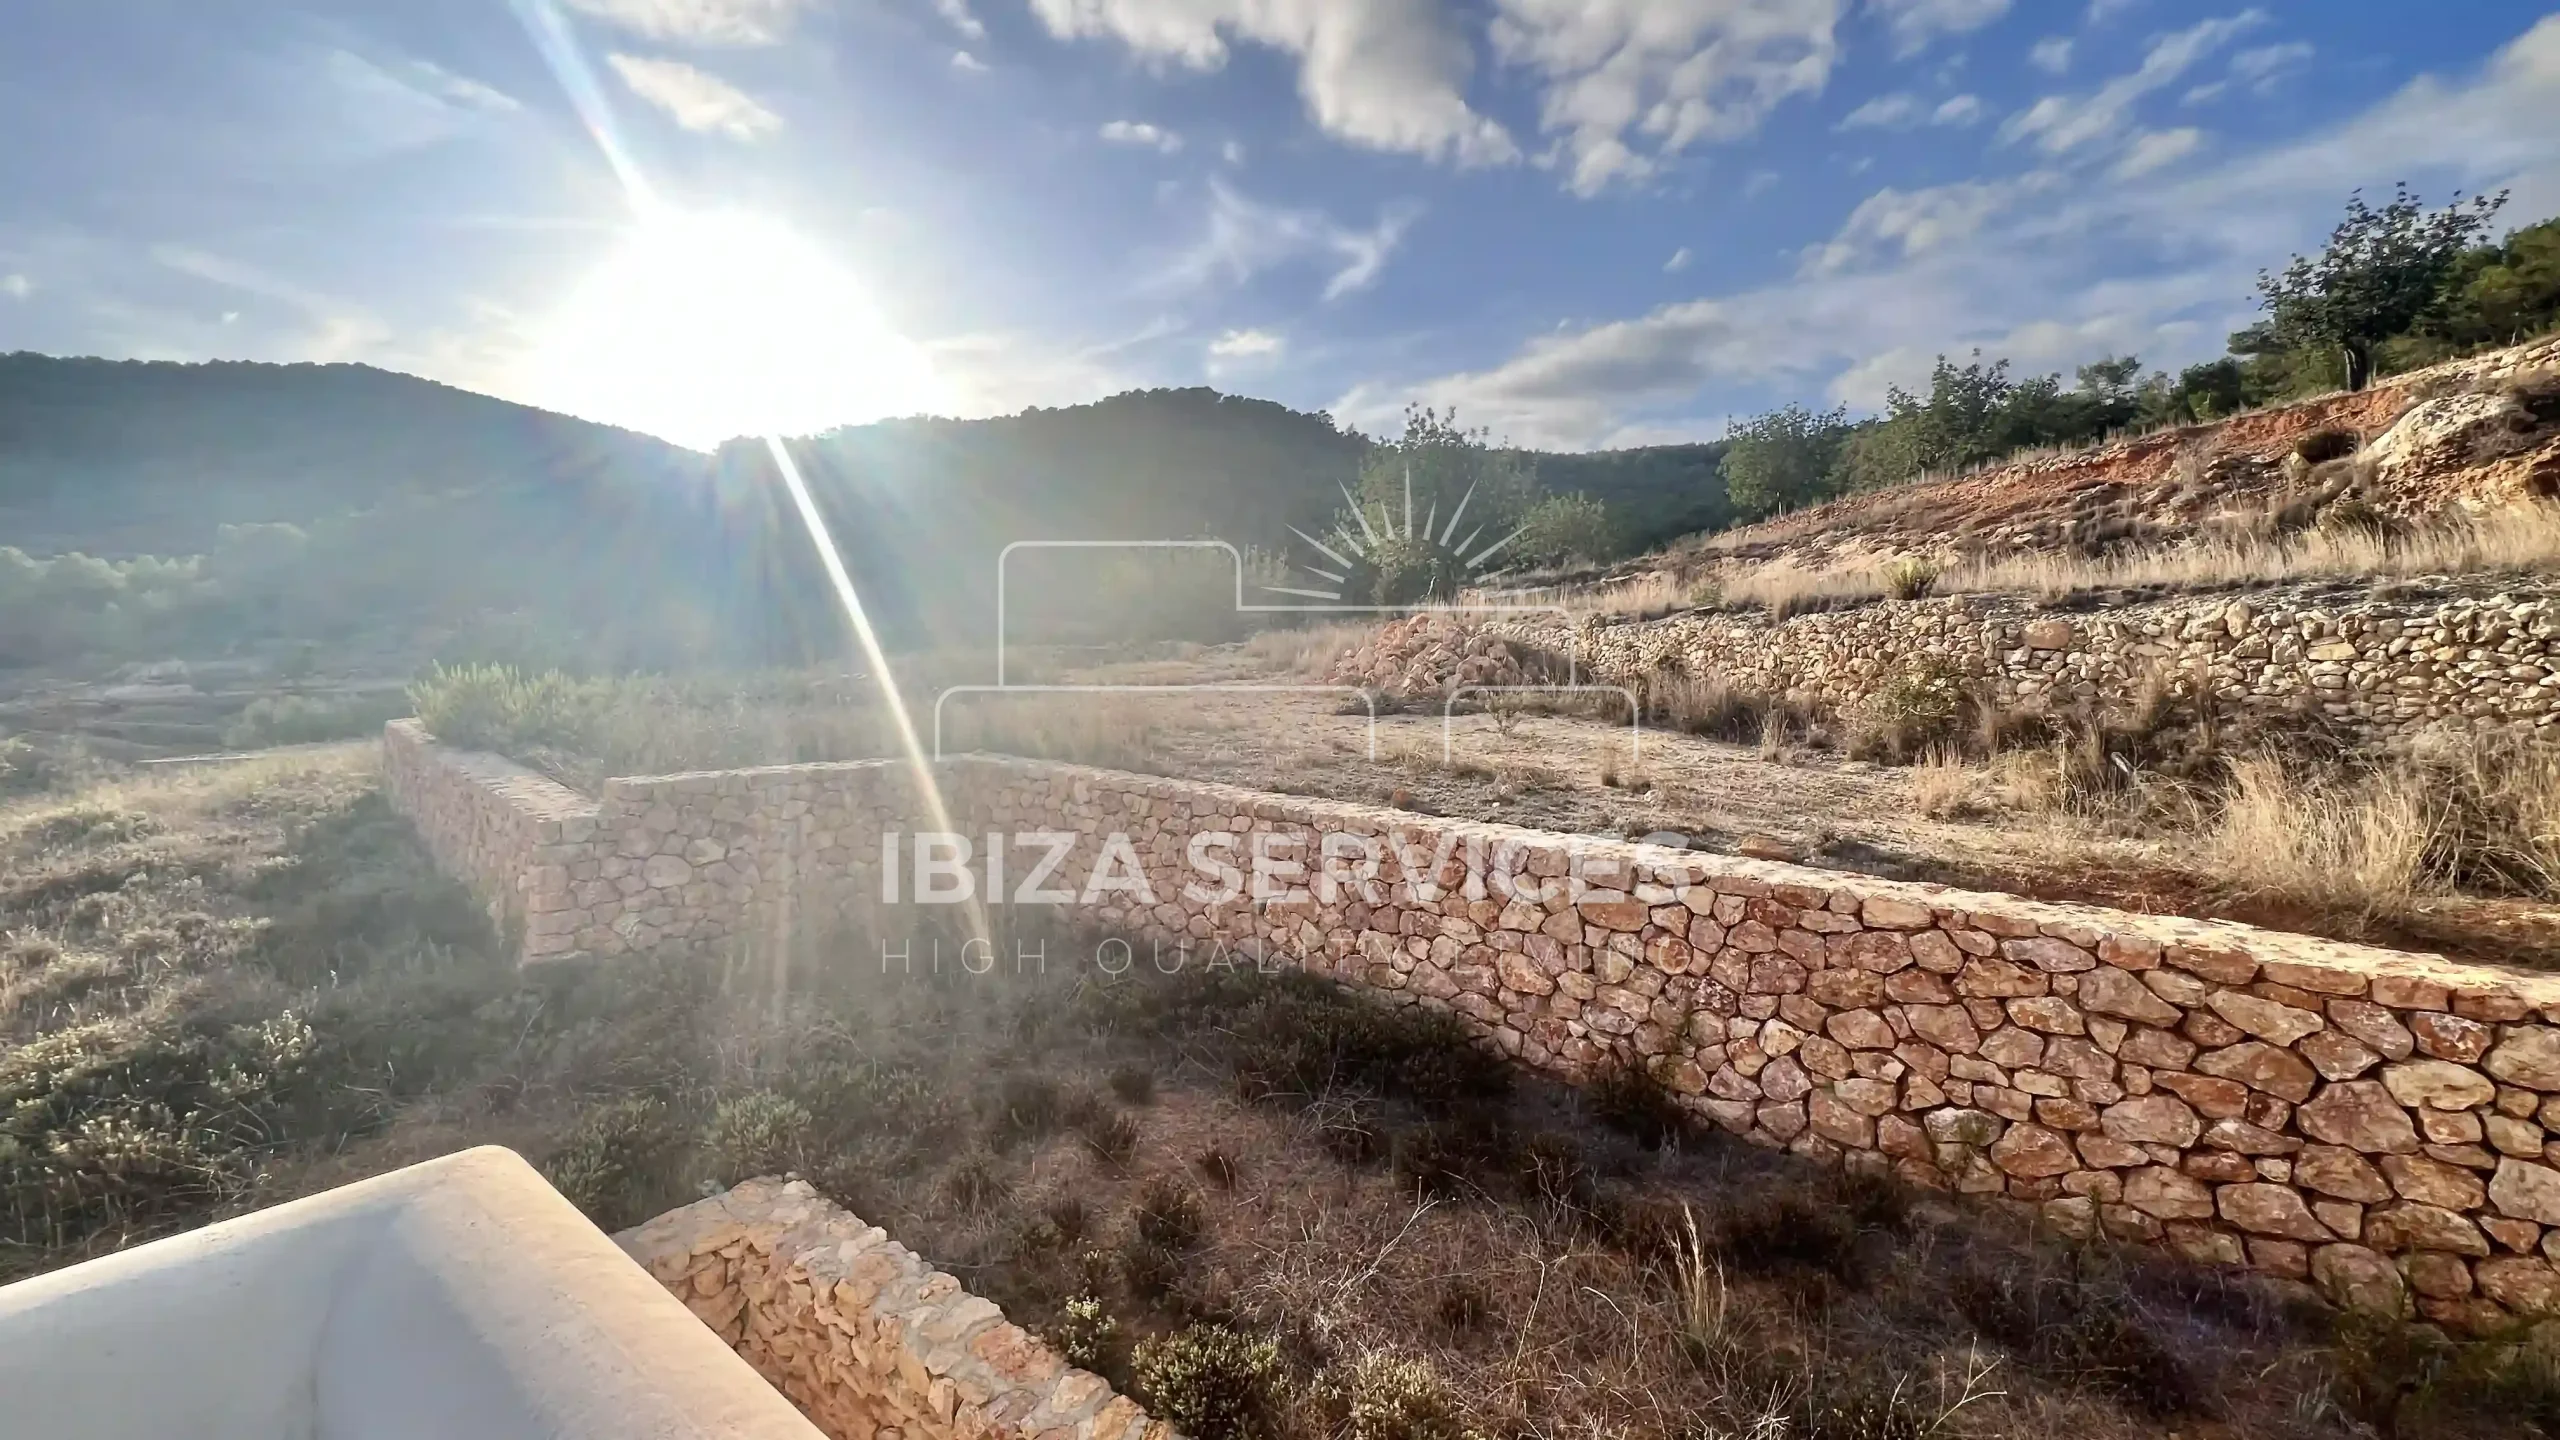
(1581, 222)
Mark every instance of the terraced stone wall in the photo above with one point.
(2377, 1123)
(864, 1337)
(2380, 1124)
(2379, 665)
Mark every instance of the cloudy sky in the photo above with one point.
(1582, 222)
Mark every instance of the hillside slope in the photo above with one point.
(2473, 434)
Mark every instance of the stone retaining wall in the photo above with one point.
(2379, 1123)
(698, 860)
(867, 1339)
(2383, 667)
(490, 822)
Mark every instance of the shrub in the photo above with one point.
(1912, 579)
(1218, 1167)
(2322, 446)
(1399, 1398)
(1151, 1271)
(1168, 1214)
(310, 719)
(1917, 708)
(1110, 1135)
(498, 708)
(974, 1185)
(1026, 1108)
(1134, 1084)
(1209, 1382)
(1084, 1332)
(1464, 1307)
(1628, 1099)
(619, 1165)
(756, 1134)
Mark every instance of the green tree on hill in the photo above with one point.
(2383, 272)
(1431, 507)
(1783, 460)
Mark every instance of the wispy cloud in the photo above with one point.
(1384, 74)
(1678, 262)
(2154, 149)
(2052, 55)
(1245, 238)
(1902, 111)
(16, 286)
(701, 22)
(336, 329)
(2040, 277)
(957, 14)
(1141, 135)
(695, 99)
(2058, 124)
(1630, 84)
(1246, 345)
(964, 61)
(1917, 22)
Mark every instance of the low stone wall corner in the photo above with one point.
(864, 1336)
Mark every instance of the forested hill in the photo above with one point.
(234, 503)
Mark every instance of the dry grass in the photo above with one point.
(2353, 849)
(1307, 651)
(1944, 787)
(2516, 539)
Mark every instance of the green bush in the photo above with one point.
(311, 719)
(1912, 579)
(498, 708)
(1919, 707)
(761, 1133)
(620, 1164)
(1084, 1333)
(1209, 1382)
(1395, 1398)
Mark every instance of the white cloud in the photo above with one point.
(1632, 82)
(1760, 183)
(2268, 63)
(1232, 152)
(2058, 123)
(1907, 224)
(2161, 265)
(957, 13)
(1386, 74)
(1245, 238)
(1246, 345)
(1917, 22)
(2155, 148)
(964, 61)
(16, 286)
(1901, 111)
(1898, 111)
(1678, 262)
(1959, 111)
(2102, 11)
(695, 99)
(2052, 55)
(701, 22)
(1141, 135)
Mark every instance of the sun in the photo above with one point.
(707, 326)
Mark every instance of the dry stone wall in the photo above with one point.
(867, 1339)
(2380, 1124)
(699, 860)
(2381, 667)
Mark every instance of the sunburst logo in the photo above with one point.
(1359, 543)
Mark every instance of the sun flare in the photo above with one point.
(703, 327)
